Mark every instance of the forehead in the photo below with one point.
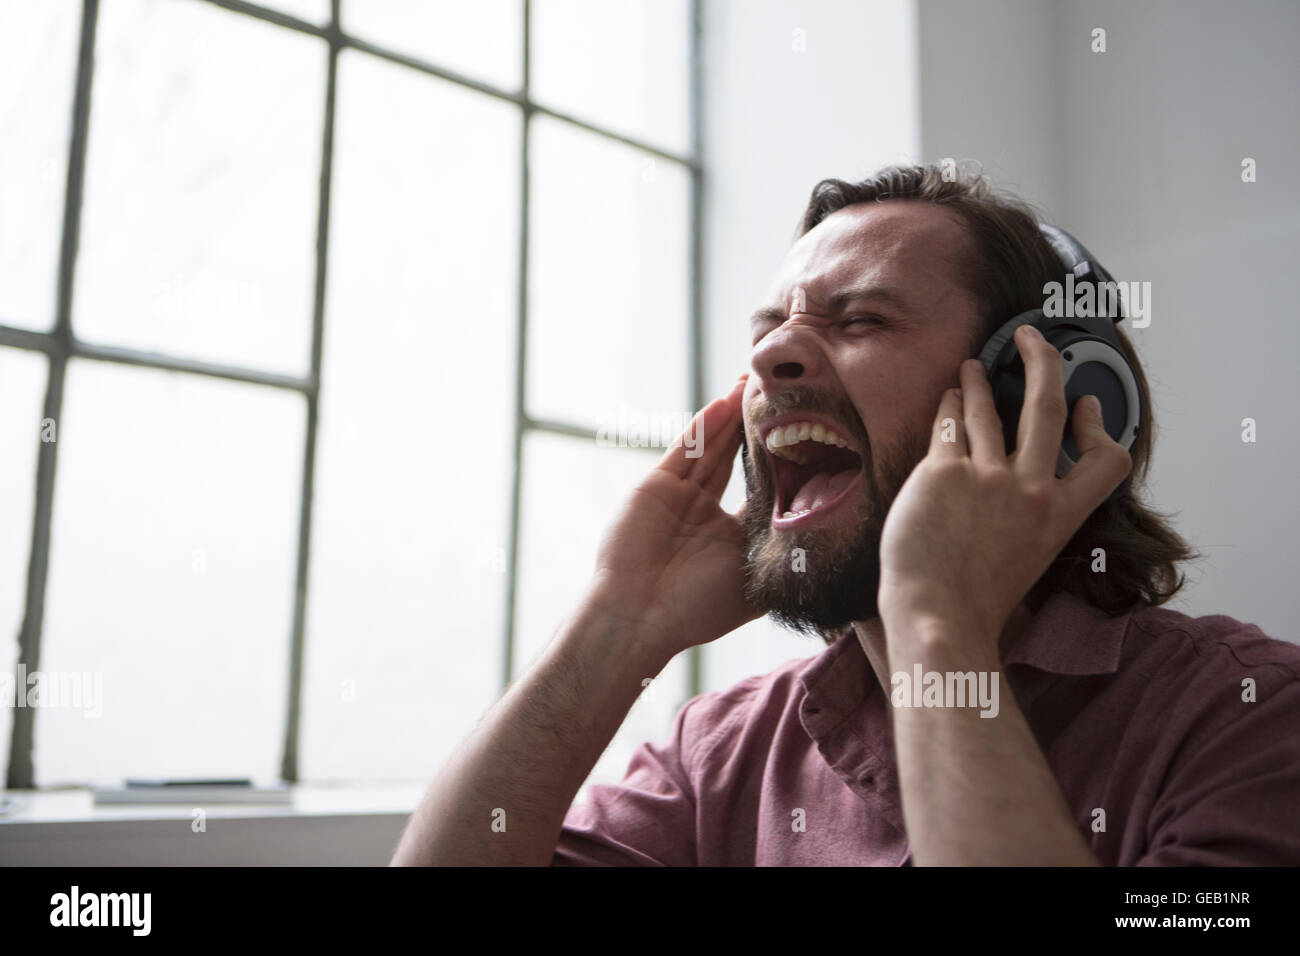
(916, 249)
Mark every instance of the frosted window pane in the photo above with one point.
(625, 65)
(199, 225)
(171, 575)
(38, 64)
(609, 320)
(572, 491)
(313, 11)
(482, 39)
(414, 462)
(22, 393)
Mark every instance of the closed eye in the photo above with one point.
(761, 325)
(864, 320)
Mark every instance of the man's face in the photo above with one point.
(862, 331)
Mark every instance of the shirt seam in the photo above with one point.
(1217, 642)
(1194, 745)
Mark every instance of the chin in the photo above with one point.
(817, 579)
(816, 509)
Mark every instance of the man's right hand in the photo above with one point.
(672, 564)
(670, 575)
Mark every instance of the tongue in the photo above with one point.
(820, 489)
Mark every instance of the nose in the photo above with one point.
(789, 355)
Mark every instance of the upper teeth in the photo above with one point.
(780, 440)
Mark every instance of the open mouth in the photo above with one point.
(815, 469)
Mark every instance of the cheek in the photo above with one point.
(896, 388)
(883, 395)
(897, 409)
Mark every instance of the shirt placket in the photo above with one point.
(846, 741)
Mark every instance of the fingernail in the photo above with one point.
(1032, 331)
(957, 391)
(1094, 405)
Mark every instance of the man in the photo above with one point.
(885, 515)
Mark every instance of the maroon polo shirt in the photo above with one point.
(1146, 716)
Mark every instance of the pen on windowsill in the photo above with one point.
(153, 783)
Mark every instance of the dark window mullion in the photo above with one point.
(521, 362)
(695, 252)
(451, 76)
(293, 709)
(21, 773)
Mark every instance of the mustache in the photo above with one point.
(803, 398)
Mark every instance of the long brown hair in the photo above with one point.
(1011, 263)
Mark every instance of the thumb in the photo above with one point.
(1088, 425)
(1103, 462)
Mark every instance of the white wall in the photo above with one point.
(1154, 145)
(1138, 151)
(776, 122)
(991, 90)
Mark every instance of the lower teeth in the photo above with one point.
(796, 514)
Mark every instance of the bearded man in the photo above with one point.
(990, 693)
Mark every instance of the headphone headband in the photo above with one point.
(1093, 361)
(1082, 263)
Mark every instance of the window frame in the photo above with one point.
(60, 344)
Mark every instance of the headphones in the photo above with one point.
(1093, 362)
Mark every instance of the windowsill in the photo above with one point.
(77, 806)
(322, 826)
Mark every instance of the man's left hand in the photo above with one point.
(973, 528)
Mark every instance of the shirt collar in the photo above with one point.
(839, 678)
(1067, 636)
(1070, 636)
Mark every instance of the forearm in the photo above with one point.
(976, 791)
(522, 766)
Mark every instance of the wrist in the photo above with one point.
(934, 638)
(615, 621)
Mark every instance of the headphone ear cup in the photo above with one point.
(999, 340)
(1091, 366)
(1006, 373)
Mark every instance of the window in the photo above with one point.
(309, 322)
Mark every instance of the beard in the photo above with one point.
(835, 578)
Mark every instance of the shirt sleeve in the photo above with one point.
(648, 819)
(1233, 802)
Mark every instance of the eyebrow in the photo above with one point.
(837, 301)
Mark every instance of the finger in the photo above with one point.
(1042, 420)
(948, 436)
(983, 426)
(1103, 462)
(716, 483)
(692, 454)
